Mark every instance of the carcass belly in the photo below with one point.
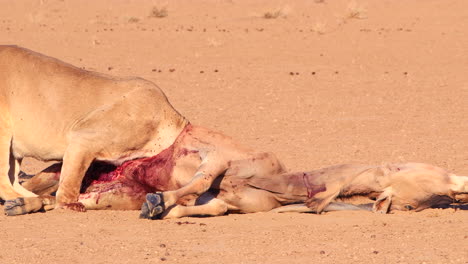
(125, 186)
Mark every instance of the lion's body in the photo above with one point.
(54, 111)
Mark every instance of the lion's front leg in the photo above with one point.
(18, 200)
(9, 168)
(75, 164)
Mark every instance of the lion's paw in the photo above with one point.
(77, 207)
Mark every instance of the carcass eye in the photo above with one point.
(409, 207)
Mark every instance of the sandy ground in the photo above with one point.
(325, 82)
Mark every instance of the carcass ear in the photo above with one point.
(383, 202)
(459, 184)
(459, 188)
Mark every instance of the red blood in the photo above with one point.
(136, 176)
(312, 189)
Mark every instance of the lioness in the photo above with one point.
(52, 110)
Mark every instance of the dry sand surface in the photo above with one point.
(319, 83)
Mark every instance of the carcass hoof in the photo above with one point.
(22, 205)
(153, 207)
(77, 207)
(15, 207)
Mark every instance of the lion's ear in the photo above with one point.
(383, 202)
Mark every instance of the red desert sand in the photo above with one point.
(318, 82)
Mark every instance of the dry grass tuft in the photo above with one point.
(133, 20)
(159, 12)
(355, 11)
(272, 15)
(279, 12)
